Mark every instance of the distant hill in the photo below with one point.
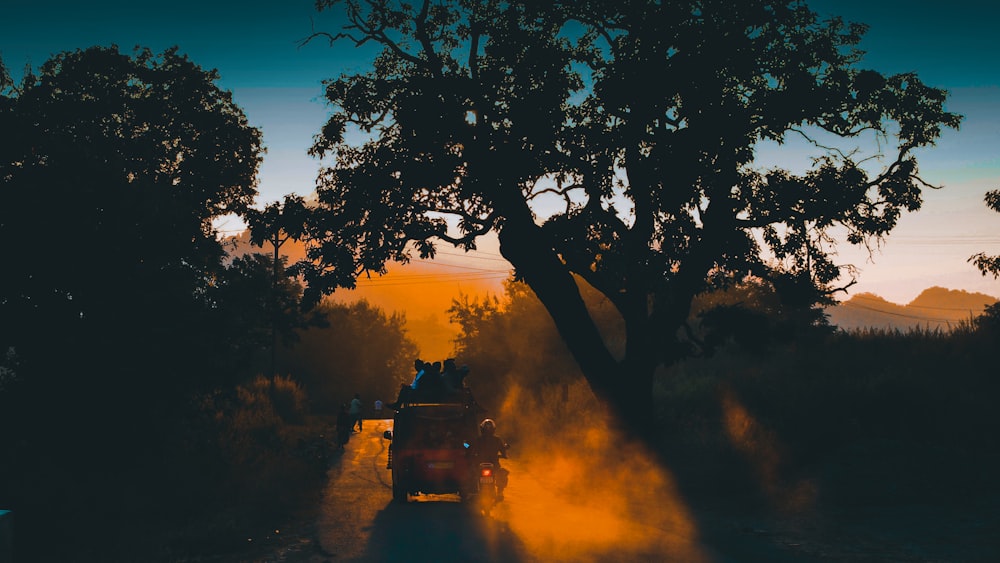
(935, 307)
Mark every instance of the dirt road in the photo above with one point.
(642, 519)
(539, 521)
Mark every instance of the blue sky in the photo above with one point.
(253, 44)
(255, 47)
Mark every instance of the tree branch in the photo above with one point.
(433, 59)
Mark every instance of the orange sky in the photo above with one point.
(424, 289)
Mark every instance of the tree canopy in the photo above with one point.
(112, 168)
(642, 121)
(359, 349)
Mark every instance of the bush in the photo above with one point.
(246, 459)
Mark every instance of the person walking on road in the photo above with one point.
(378, 408)
(344, 425)
(355, 412)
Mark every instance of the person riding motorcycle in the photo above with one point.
(489, 448)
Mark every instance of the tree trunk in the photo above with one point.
(624, 388)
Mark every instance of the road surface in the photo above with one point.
(561, 509)
(543, 518)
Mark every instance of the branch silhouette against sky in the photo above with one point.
(256, 47)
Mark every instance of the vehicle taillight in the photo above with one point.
(486, 472)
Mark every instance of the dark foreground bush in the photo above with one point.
(864, 417)
(230, 469)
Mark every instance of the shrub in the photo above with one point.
(289, 399)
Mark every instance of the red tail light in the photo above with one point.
(486, 472)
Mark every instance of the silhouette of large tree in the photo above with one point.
(642, 120)
(112, 168)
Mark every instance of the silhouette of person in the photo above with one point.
(419, 366)
(489, 448)
(450, 375)
(344, 426)
(355, 412)
(429, 385)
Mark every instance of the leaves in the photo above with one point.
(644, 119)
(989, 264)
(113, 168)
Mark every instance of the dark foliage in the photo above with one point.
(989, 265)
(813, 416)
(119, 304)
(538, 121)
(360, 349)
(112, 169)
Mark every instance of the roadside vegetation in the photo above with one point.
(773, 412)
(219, 471)
(160, 400)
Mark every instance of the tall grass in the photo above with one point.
(866, 414)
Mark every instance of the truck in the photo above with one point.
(431, 448)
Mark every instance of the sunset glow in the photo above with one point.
(623, 501)
(423, 290)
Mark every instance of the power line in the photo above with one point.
(487, 256)
(439, 279)
(448, 265)
(472, 272)
(420, 277)
(904, 315)
(955, 240)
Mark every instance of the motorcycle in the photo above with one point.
(486, 493)
(487, 484)
(492, 482)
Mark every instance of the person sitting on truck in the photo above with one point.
(489, 448)
(420, 367)
(406, 392)
(448, 373)
(430, 386)
(454, 376)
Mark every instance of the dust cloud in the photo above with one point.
(764, 452)
(585, 492)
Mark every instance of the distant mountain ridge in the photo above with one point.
(935, 308)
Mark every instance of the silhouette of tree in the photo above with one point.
(641, 120)
(6, 82)
(756, 315)
(276, 224)
(513, 343)
(360, 349)
(113, 167)
(989, 264)
(250, 313)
